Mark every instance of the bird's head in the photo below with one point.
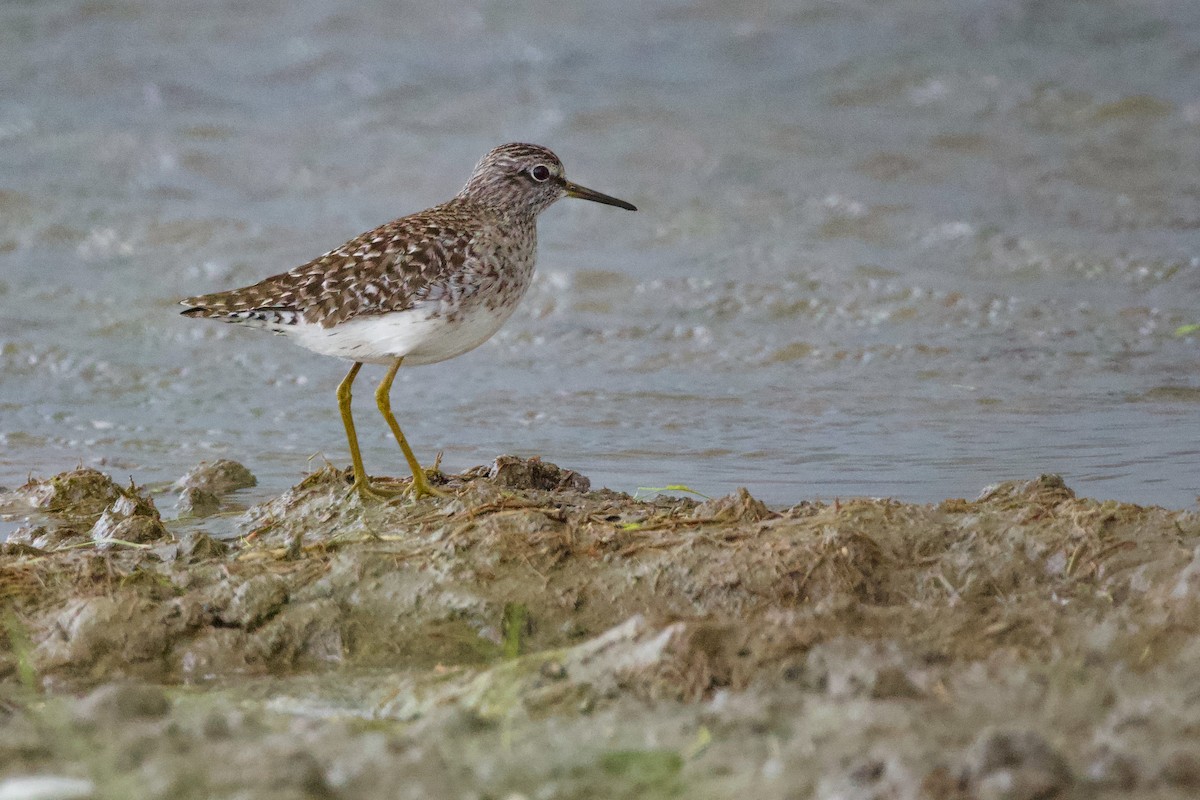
(526, 178)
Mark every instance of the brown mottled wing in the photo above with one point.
(390, 268)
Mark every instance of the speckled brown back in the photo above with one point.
(437, 254)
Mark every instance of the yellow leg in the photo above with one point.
(420, 485)
(361, 484)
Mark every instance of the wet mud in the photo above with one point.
(525, 636)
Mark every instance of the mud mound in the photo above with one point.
(523, 598)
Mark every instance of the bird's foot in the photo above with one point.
(420, 487)
(372, 494)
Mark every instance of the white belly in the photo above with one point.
(421, 335)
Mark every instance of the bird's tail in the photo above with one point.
(214, 306)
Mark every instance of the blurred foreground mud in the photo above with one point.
(525, 636)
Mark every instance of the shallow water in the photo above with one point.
(905, 249)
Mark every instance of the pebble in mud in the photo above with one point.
(1016, 765)
(116, 703)
(129, 519)
(511, 472)
(216, 478)
(219, 652)
(866, 779)
(846, 668)
(739, 506)
(195, 502)
(1048, 489)
(199, 546)
(254, 601)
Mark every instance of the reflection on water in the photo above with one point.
(901, 250)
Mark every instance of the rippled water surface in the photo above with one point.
(901, 248)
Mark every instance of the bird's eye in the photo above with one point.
(540, 173)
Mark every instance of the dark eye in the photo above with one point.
(540, 173)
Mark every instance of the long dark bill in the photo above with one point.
(584, 193)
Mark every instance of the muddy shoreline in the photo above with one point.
(526, 636)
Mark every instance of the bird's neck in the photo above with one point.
(506, 213)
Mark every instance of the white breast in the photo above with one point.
(424, 334)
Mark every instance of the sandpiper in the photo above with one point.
(416, 290)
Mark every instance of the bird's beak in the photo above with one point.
(584, 193)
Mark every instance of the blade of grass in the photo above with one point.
(516, 619)
(671, 487)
